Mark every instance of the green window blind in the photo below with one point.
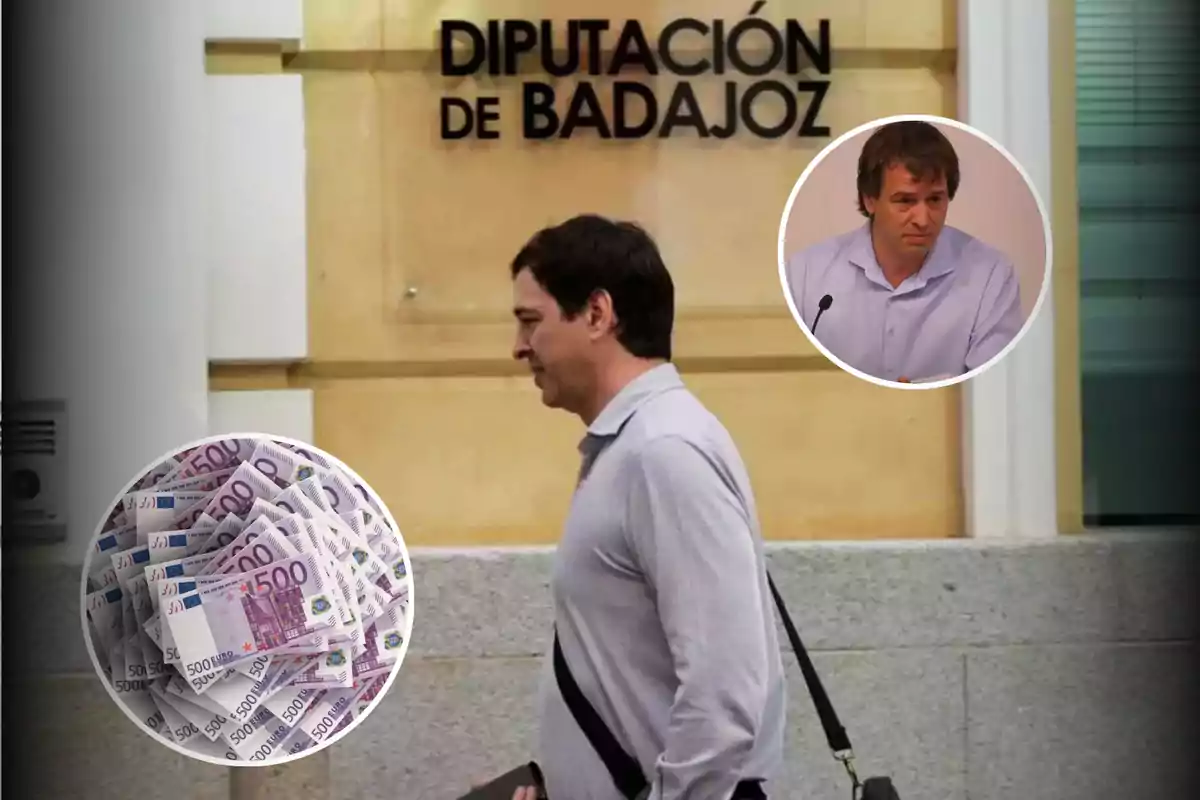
(1138, 174)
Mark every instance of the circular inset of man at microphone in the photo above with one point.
(899, 295)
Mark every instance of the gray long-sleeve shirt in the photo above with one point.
(662, 606)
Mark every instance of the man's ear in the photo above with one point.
(601, 315)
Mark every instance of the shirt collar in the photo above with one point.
(862, 254)
(633, 396)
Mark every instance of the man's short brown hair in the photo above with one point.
(919, 146)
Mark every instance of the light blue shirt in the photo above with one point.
(959, 311)
(662, 606)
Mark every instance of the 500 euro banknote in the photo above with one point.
(248, 598)
(238, 618)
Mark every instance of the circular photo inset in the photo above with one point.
(914, 252)
(247, 600)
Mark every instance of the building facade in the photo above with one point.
(948, 554)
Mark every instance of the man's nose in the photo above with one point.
(920, 216)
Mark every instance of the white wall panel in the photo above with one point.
(1008, 421)
(258, 274)
(280, 412)
(254, 19)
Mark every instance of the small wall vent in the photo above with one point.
(34, 457)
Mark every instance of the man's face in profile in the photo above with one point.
(909, 212)
(555, 347)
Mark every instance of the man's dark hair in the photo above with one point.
(588, 253)
(919, 146)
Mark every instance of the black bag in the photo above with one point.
(627, 774)
(502, 788)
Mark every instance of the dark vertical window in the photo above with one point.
(1139, 239)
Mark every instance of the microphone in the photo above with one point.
(822, 307)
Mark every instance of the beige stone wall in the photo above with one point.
(409, 238)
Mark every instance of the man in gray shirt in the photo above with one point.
(661, 601)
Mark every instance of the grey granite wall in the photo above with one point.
(968, 670)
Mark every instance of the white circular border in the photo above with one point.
(222, 762)
(936, 120)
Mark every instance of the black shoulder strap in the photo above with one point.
(835, 734)
(625, 770)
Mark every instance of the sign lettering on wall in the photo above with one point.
(685, 48)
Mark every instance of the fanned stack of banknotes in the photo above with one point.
(247, 599)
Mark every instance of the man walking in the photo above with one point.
(662, 608)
